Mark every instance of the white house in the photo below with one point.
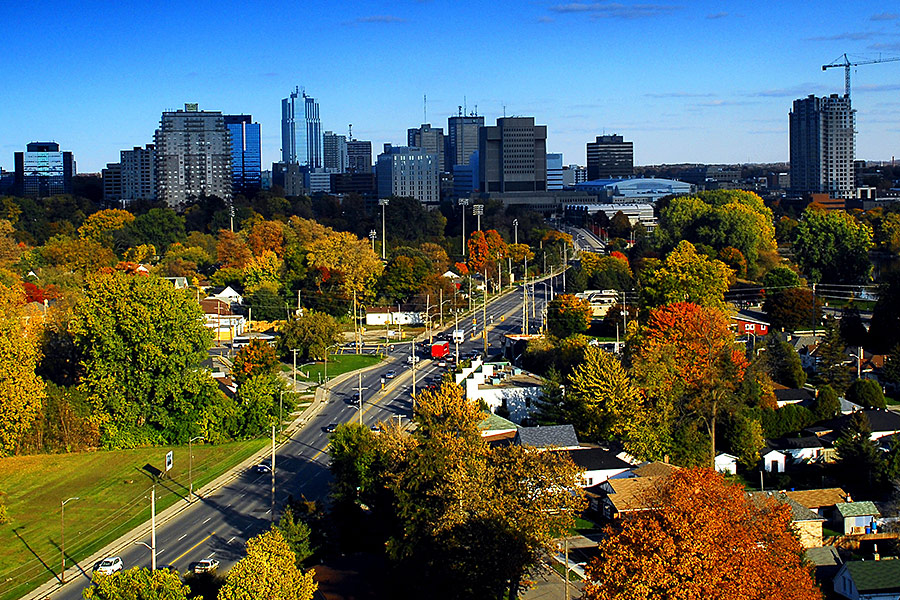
(773, 461)
(726, 463)
(597, 465)
(226, 294)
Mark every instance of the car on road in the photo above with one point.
(264, 467)
(330, 428)
(390, 374)
(442, 364)
(206, 565)
(109, 565)
(375, 427)
(411, 359)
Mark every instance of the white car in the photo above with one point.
(108, 566)
(206, 565)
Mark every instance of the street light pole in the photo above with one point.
(62, 537)
(383, 202)
(463, 203)
(191, 465)
(478, 210)
(372, 235)
(516, 229)
(153, 528)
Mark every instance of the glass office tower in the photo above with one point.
(246, 157)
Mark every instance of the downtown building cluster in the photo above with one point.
(196, 153)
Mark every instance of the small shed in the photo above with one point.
(773, 460)
(726, 463)
(857, 516)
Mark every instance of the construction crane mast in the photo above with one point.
(844, 61)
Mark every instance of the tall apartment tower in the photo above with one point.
(193, 156)
(823, 143)
(42, 170)
(301, 130)
(133, 177)
(430, 139)
(462, 139)
(512, 156)
(334, 148)
(608, 157)
(246, 155)
(359, 156)
(409, 172)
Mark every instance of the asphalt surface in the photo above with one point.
(218, 525)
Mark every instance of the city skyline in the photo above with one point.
(684, 83)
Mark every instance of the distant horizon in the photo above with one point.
(699, 83)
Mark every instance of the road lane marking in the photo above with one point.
(231, 539)
(182, 537)
(175, 560)
(207, 519)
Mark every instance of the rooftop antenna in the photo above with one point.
(504, 111)
(476, 111)
(465, 106)
(459, 111)
(424, 108)
(350, 133)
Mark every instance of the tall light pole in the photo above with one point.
(191, 465)
(516, 229)
(62, 537)
(478, 210)
(383, 202)
(372, 235)
(463, 203)
(152, 545)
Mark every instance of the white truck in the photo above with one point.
(459, 336)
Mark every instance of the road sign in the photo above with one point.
(169, 456)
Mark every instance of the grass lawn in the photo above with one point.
(338, 364)
(114, 498)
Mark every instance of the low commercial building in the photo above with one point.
(648, 189)
(501, 386)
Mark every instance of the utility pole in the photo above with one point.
(272, 516)
(153, 528)
(568, 591)
(516, 229)
(355, 323)
(62, 537)
(463, 203)
(294, 372)
(360, 391)
(191, 465)
(525, 300)
(383, 202)
(484, 314)
(478, 210)
(413, 355)
(441, 307)
(428, 317)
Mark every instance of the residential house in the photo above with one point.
(802, 449)
(496, 430)
(785, 395)
(219, 317)
(555, 437)
(882, 422)
(773, 461)
(390, 316)
(726, 463)
(869, 580)
(748, 322)
(826, 561)
(857, 516)
(626, 492)
(226, 294)
(823, 501)
(597, 464)
(806, 523)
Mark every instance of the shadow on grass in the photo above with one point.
(15, 530)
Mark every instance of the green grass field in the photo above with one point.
(114, 498)
(338, 364)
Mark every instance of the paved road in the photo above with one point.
(218, 525)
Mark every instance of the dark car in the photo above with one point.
(264, 467)
(330, 428)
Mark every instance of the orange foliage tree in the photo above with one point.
(256, 358)
(479, 252)
(703, 538)
(704, 356)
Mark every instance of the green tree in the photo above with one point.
(138, 584)
(685, 276)
(884, 328)
(827, 404)
(353, 454)
(266, 304)
(161, 227)
(792, 308)
(784, 363)
(142, 343)
(567, 315)
(853, 332)
(297, 534)
(867, 393)
(601, 396)
(259, 398)
(859, 460)
(833, 247)
(310, 333)
(780, 277)
(833, 365)
(269, 570)
(552, 408)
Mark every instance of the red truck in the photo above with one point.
(440, 349)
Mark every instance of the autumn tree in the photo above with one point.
(256, 358)
(138, 584)
(702, 537)
(567, 315)
(832, 246)
(142, 343)
(21, 391)
(792, 308)
(269, 570)
(232, 251)
(310, 333)
(101, 225)
(602, 398)
(685, 276)
(705, 357)
(479, 252)
(353, 257)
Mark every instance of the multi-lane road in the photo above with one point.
(219, 524)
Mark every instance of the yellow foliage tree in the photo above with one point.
(100, 225)
(268, 571)
(349, 255)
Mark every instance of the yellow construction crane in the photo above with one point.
(844, 61)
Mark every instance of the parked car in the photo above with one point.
(206, 565)
(109, 565)
(375, 427)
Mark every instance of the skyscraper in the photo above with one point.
(430, 139)
(554, 171)
(822, 146)
(512, 156)
(301, 130)
(359, 156)
(193, 156)
(334, 149)
(42, 170)
(462, 139)
(409, 172)
(246, 157)
(133, 177)
(609, 156)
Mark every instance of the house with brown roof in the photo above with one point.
(806, 523)
(822, 501)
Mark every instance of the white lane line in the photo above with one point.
(207, 519)
(211, 555)
(160, 551)
(182, 537)
(268, 511)
(231, 540)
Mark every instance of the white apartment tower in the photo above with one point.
(823, 145)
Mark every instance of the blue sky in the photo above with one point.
(686, 81)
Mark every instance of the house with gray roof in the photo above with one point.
(869, 580)
(557, 437)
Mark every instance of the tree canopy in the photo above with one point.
(833, 247)
(269, 570)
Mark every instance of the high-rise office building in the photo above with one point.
(430, 139)
(462, 139)
(246, 155)
(823, 143)
(409, 172)
(301, 130)
(193, 156)
(112, 183)
(512, 156)
(42, 170)
(359, 156)
(334, 149)
(608, 157)
(554, 171)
